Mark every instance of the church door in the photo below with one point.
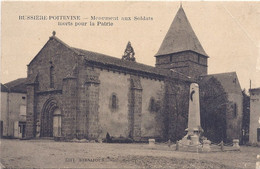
(57, 123)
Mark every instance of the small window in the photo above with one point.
(235, 110)
(23, 97)
(170, 58)
(51, 77)
(114, 101)
(152, 106)
(258, 134)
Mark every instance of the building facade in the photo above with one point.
(75, 93)
(13, 108)
(254, 128)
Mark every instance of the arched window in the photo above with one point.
(114, 100)
(198, 58)
(51, 77)
(152, 106)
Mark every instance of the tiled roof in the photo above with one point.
(130, 65)
(255, 90)
(229, 81)
(110, 61)
(180, 37)
(4, 88)
(17, 86)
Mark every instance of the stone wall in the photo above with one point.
(69, 108)
(63, 60)
(30, 112)
(129, 115)
(189, 63)
(114, 120)
(234, 116)
(152, 108)
(53, 54)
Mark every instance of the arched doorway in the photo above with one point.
(50, 119)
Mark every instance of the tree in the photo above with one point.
(213, 107)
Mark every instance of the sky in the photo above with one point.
(228, 31)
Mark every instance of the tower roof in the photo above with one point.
(180, 37)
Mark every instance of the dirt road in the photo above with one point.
(51, 154)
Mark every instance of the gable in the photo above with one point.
(55, 55)
(53, 39)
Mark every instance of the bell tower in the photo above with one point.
(181, 50)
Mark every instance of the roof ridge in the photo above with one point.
(115, 58)
(233, 72)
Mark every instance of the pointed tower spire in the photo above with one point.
(181, 50)
(180, 37)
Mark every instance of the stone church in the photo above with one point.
(75, 93)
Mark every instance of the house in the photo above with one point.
(254, 127)
(13, 108)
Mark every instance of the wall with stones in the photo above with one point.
(196, 70)
(69, 107)
(114, 120)
(63, 59)
(41, 100)
(188, 62)
(234, 116)
(53, 54)
(30, 112)
(88, 85)
(152, 108)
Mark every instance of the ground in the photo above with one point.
(51, 154)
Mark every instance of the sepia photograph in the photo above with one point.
(130, 84)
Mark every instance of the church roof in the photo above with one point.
(254, 90)
(125, 64)
(229, 81)
(109, 61)
(17, 86)
(180, 37)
